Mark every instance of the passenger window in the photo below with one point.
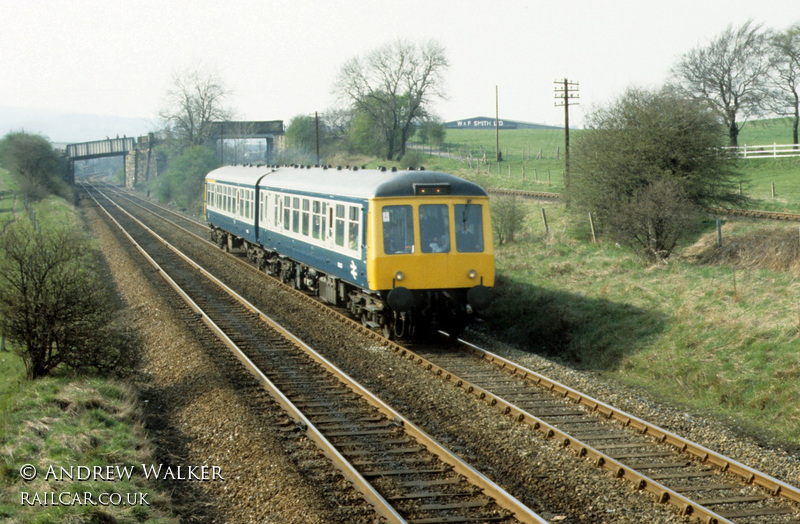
(434, 228)
(339, 225)
(469, 228)
(305, 216)
(398, 230)
(352, 229)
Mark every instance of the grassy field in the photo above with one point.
(534, 160)
(703, 330)
(67, 421)
(715, 329)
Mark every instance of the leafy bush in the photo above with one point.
(55, 305)
(508, 217)
(182, 183)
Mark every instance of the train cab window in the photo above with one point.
(434, 228)
(398, 230)
(469, 228)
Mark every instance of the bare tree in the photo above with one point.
(647, 162)
(729, 73)
(195, 101)
(392, 86)
(785, 78)
(508, 218)
(55, 304)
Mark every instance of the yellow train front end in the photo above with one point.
(431, 255)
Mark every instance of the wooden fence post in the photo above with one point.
(591, 225)
(719, 232)
(546, 227)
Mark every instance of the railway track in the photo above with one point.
(750, 213)
(701, 483)
(405, 474)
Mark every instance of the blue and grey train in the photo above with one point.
(406, 251)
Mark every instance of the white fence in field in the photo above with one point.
(773, 151)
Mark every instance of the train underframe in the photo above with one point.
(421, 313)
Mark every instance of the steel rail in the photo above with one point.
(752, 213)
(707, 456)
(490, 488)
(749, 476)
(664, 494)
(131, 197)
(525, 193)
(382, 507)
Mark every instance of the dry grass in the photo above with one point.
(774, 248)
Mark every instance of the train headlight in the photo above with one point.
(472, 274)
(399, 276)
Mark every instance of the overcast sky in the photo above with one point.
(280, 58)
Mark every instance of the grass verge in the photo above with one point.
(77, 423)
(715, 329)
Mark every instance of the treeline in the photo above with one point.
(41, 168)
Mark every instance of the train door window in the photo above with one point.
(398, 229)
(323, 220)
(352, 228)
(251, 204)
(316, 219)
(469, 228)
(295, 215)
(339, 226)
(287, 212)
(434, 228)
(306, 216)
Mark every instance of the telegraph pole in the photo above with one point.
(497, 124)
(566, 94)
(316, 132)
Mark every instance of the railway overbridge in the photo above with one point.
(140, 160)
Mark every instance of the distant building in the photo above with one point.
(484, 122)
